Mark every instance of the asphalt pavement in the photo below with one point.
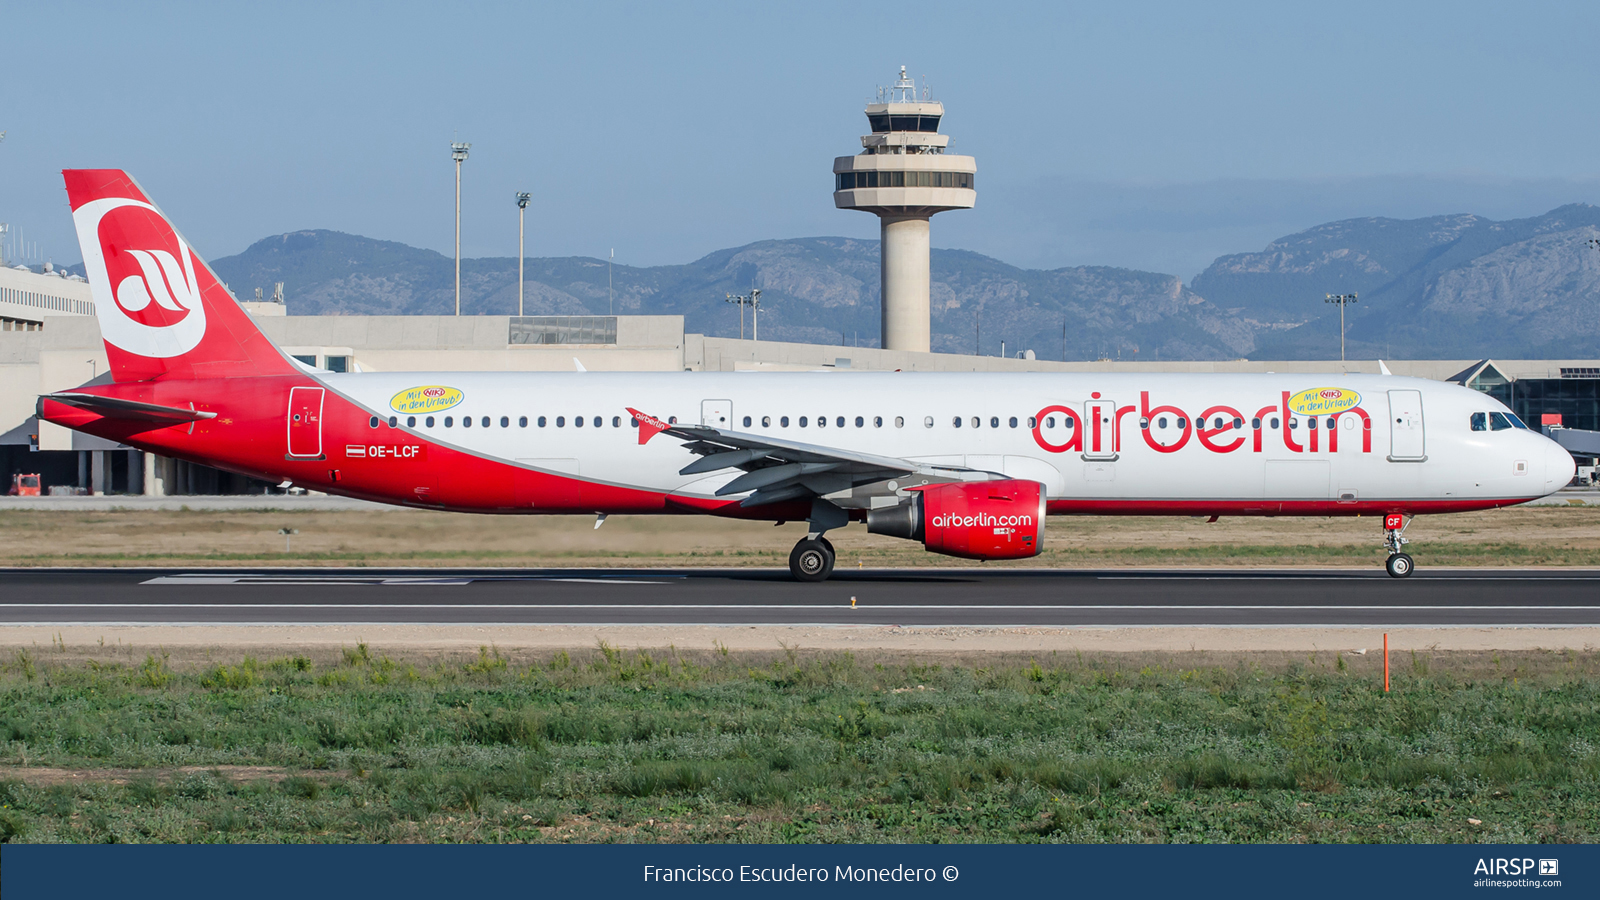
(926, 597)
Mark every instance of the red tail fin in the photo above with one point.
(162, 311)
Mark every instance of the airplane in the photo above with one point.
(970, 465)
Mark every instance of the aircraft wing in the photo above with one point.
(776, 469)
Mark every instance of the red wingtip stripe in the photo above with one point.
(649, 426)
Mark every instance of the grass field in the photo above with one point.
(613, 745)
(1541, 536)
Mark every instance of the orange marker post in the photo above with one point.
(1386, 662)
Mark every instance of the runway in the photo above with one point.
(919, 597)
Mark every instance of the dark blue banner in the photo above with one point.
(640, 871)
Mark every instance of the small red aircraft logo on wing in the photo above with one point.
(649, 426)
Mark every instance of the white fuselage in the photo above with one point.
(1405, 440)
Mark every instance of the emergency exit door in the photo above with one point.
(305, 422)
(1100, 439)
(1406, 439)
(716, 413)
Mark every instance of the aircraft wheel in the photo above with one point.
(1399, 565)
(811, 560)
(829, 544)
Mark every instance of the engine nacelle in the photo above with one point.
(974, 519)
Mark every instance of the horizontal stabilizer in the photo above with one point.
(130, 410)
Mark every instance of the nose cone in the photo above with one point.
(1559, 467)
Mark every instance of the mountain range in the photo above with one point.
(1442, 287)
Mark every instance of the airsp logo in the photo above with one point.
(146, 293)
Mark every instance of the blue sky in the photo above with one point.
(1156, 136)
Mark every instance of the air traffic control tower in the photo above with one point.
(903, 176)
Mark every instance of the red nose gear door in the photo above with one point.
(305, 423)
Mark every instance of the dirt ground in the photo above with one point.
(207, 644)
(404, 537)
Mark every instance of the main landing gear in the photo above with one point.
(812, 559)
(1399, 564)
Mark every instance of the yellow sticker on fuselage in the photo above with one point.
(1324, 401)
(425, 399)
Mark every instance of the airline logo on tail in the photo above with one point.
(143, 278)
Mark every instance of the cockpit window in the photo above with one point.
(1480, 421)
(1500, 422)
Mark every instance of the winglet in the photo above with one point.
(1383, 369)
(649, 426)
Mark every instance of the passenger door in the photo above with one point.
(1406, 438)
(305, 423)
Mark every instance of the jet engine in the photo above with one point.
(973, 520)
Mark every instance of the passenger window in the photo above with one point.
(747, 421)
(1274, 421)
(541, 421)
(1144, 423)
(1068, 423)
(373, 422)
(616, 421)
(977, 422)
(802, 421)
(561, 421)
(1033, 422)
(598, 421)
(766, 421)
(877, 421)
(429, 421)
(861, 422)
(505, 422)
(1238, 423)
(411, 421)
(822, 422)
(994, 421)
(577, 421)
(522, 422)
(1311, 423)
(393, 421)
(632, 422)
(1332, 423)
(899, 421)
(1480, 421)
(927, 422)
(466, 421)
(1256, 423)
(1182, 422)
(447, 421)
(1161, 422)
(1013, 421)
(1049, 421)
(1293, 424)
(956, 422)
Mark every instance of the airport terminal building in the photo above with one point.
(50, 341)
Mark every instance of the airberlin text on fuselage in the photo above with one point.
(1220, 428)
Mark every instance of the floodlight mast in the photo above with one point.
(522, 216)
(458, 152)
(752, 300)
(1342, 300)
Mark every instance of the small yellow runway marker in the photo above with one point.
(852, 602)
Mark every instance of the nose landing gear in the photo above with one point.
(1399, 564)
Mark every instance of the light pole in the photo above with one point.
(1343, 300)
(752, 300)
(522, 216)
(611, 302)
(458, 152)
